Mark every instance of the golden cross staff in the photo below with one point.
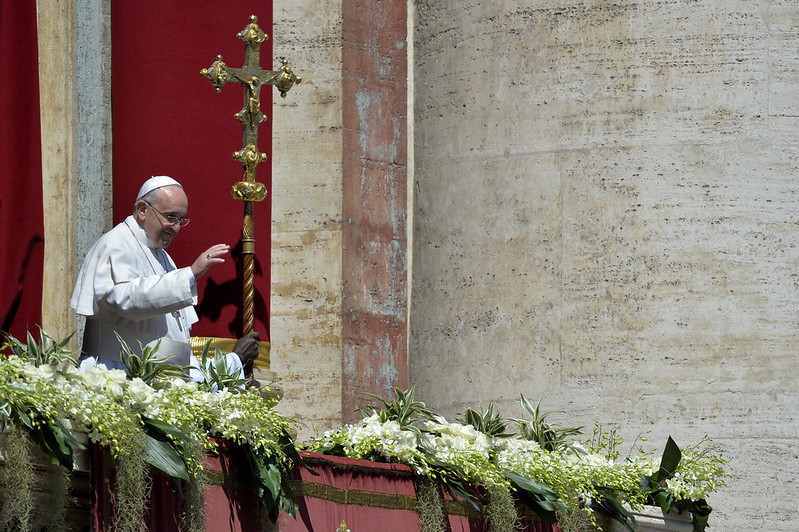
(252, 77)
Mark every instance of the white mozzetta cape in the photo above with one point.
(128, 285)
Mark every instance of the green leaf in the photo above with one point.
(290, 450)
(33, 349)
(527, 406)
(272, 479)
(663, 499)
(530, 485)
(459, 494)
(270, 482)
(700, 512)
(68, 436)
(614, 508)
(288, 501)
(669, 461)
(165, 449)
(159, 427)
(540, 498)
(23, 417)
(52, 445)
(163, 456)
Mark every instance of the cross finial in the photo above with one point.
(252, 77)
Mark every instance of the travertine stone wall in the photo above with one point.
(75, 94)
(374, 197)
(339, 268)
(605, 220)
(306, 215)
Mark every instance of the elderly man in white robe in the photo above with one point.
(128, 284)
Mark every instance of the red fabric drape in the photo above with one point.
(344, 477)
(369, 496)
(21, 223)
(231, 504)
(365, 495)
(168, 120)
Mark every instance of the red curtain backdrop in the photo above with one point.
(168, 120)
(21, 223)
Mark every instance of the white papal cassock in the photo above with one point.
(130, 286)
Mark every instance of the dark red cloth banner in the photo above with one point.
(21, 221)
(364, 495)
(372, 496)
(231, 503)
(168, 120)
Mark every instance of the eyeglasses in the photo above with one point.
(171, 218)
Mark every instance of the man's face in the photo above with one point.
(171, 201)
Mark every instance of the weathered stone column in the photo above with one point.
(56, 24)
(74, 89)
(375, 200)
(306, 279)
(606, 221)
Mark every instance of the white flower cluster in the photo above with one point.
(107, 405)
(372, 438)
(443, 438)
(696, 476)
(576, 475)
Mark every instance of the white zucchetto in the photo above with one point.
(155, 182)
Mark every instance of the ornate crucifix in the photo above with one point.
(252, 77)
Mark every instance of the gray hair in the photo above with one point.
(151, 197)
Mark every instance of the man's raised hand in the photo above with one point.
(209, 257)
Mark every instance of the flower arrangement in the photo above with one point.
(167, 423)
(151, 417)
(539, 465)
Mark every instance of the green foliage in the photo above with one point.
(454, 480)
(45, 351)
(18, 478)
(20, 407)
(147, 367)
(609, 442)
(167, 448)
(488, 423)
(615, 509)
(549, 437)
(540, 498)
(404, 409)
(152, 419)
(51, 436)
(217, 375)
(665, 487)
(559, 480)
(272, 482)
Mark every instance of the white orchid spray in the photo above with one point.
(163, 421)
(539, 464)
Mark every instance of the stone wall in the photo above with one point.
(339, 266)
(75, 96)
(605, 220)
(306, 215)
(602, 214)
